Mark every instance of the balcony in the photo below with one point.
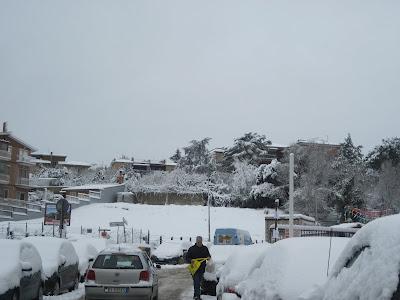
(23, 181)
(4, 178)
(25, 159)
(5, 155)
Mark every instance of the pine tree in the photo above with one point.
(388, 151)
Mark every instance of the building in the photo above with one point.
(331, 149)
(142, 166)
(283, 219)
(75, 166)
(54, 159)
(15, 166)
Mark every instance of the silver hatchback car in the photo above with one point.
(122, 274)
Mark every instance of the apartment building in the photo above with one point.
(15, 166)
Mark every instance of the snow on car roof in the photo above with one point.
(171, 249)
(12, 252)
(290, 267)
(122, 248)
(53, 251)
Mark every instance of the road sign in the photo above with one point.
(63, 205)
(116, 224)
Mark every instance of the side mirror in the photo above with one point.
(91, 259)
(26, 267)
(158, 266)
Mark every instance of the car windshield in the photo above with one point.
(118, 261)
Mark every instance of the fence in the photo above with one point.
(305, 231)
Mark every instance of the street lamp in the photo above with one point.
(209, 214)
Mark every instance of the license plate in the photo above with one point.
(116, 290)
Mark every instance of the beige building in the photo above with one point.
(15, 166)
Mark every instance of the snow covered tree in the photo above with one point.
(251, 148)
(244, 177)
(388, 151)
(177, 156)
(348, 178)
(197, 157)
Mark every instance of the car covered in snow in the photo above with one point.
(20, 271)
(60, 264)
(219, 255)
(290, 267)
(86, 253)
(237, 267)
(369, 266)
(122, 273)
(170, 253)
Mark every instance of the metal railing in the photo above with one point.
(25, 159)
(21, 204)
(23, 181)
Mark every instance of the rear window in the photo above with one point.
(118, 261)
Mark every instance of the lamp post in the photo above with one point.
(276, 232)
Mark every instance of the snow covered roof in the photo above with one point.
(220, 150)
(286, 216)
(91, 187)
(348, 225)
(9, 135)
(123, 160)
(75, 164)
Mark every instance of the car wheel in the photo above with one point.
(56, 290)
(40, 293)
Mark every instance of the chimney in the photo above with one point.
(5, 127)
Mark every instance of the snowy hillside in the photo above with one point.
(165, 220)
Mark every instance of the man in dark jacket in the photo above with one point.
(198, 251)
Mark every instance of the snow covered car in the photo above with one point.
(219, 255)
(170, 253)
(369, 266)
(20, 271)
(290, 267)
(86, 253)
(122, 274)
(237, 267)
(60, 264)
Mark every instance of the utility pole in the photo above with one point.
(291, 190)
(209, 214)
(276, 232)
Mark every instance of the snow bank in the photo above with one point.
(54, 252)
(239, 264)
(369, 266)
(13, 255)
(290, 267)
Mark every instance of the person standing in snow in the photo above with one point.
(198, 252)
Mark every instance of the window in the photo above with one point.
(20, 196)
(4, 168)
(118, 261)
(4, 146)
(5, 194)
(356, 254)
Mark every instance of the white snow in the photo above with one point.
(75, 164)
(170, 220)
(85, 251)
(74, 295)
(290, 267)
(91, 187)
(238, 265)
(171, 249)
(98, 243)
(348, 225)
(53, 252)
(374, 274)
(15, 254)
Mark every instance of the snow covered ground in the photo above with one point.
(161, 220)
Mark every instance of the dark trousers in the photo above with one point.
(197, 278)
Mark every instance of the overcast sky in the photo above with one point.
(97, 79)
